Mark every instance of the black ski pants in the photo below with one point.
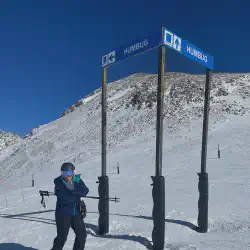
(63, 224)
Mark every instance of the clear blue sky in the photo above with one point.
(50, 50)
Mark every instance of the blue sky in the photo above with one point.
(51, 50)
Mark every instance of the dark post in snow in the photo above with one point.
(218, 151)
(203, 176)
(103, 188)
(118, 168)
(158, 192)
(33, 181)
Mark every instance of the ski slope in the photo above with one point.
(28, 226)
(76, 137)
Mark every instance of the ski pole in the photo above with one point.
(47, 193)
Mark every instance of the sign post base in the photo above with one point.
(203, 203)
(103, 205)
(158, 193)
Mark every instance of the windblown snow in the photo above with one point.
(76, 137)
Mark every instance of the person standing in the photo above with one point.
(69, 188)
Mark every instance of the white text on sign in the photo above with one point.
(135, 47)
(192, 51)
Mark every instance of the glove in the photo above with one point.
(77, 178)
(83, 209)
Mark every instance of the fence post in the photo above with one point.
(118, 168)
(218, 151)
(33, 181)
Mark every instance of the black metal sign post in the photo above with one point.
(203, 176)
(158, 192)
(103, 188)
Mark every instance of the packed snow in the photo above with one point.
(76, 137)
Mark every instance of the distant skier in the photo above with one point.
(68, 189)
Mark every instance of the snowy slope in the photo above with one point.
(131, 139)
(7, 139)
(76, 136)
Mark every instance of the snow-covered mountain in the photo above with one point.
(76, 135)
(183, 95)
(7, 139)
(131, 118)
(132, 103)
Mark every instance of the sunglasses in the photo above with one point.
(68, 172)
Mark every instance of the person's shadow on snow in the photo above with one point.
(14, 246)
(93, 231)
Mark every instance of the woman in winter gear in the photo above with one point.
(69, 188)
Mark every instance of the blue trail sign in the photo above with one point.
(134, 48)
(166, 38)
(186, 48)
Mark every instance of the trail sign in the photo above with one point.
(166, 38)
(171, 40)
(131, 49)
(194, 53)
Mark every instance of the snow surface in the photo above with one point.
(7, 139)
(25, 224)
(87, 99)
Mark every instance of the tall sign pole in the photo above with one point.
(103, 188)
(203, 176)
(160, 107)
(158, 192)
(104, 121)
